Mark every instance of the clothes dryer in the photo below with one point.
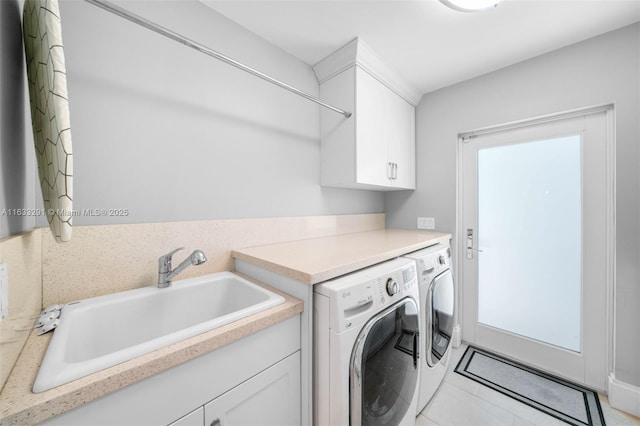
(366, 338)
(437, 298)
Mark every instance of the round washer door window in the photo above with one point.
(384, 366)
(440, 324)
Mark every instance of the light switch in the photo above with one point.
(426, 223)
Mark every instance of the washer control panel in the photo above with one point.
(355, 296)
(431, 261)
(392, 287)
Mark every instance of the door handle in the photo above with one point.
(415, 350)
(470, 248)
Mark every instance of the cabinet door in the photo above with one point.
(402, 142)
(372, 130)
(272, 397)
(194, 418)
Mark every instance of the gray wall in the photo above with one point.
(601, 70)
(17, 177)
(171, 134)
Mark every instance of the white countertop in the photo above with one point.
(316, 260)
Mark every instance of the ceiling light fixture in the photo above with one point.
(470, 5)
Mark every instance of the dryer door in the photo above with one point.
(384, 366)
(439, 317)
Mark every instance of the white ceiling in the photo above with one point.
(426, 43)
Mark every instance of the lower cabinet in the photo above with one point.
(269, 398)
(253, 381)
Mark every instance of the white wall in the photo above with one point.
(17, 179)
(171, 134)
(601, 70)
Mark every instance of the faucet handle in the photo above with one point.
(164, 261)
(172, 252)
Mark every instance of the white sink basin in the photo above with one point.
(103, 331)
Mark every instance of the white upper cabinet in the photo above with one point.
(375, 147)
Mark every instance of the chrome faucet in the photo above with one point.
(165, 274)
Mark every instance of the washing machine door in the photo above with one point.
(384, 366)
(439, 317)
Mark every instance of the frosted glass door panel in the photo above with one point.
(530, 234)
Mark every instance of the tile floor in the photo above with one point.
(461, 401)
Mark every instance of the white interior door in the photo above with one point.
(536, 225)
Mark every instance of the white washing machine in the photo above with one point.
(437, 317)
(366, 367)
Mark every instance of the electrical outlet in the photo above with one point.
(4, 290)
(426, 223)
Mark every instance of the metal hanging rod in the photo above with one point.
(117, 10)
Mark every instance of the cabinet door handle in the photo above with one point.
(393, 170)
(216, 422)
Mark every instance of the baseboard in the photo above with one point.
(623, 396)
(456, 339)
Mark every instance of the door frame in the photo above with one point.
(460, 238)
